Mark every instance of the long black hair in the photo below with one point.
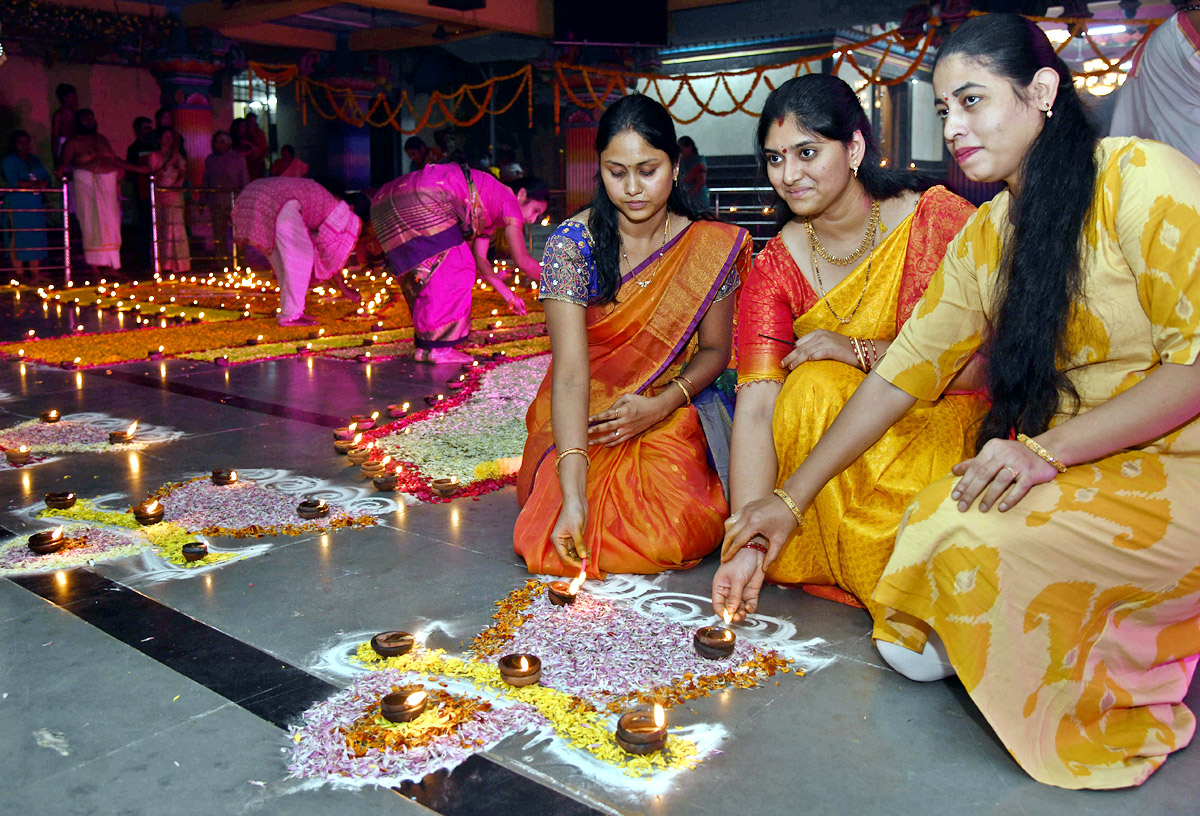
(650, 120)
(826, 106)
(1040, 274)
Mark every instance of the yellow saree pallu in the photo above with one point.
(654, 503)
(851, 525)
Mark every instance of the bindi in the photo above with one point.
(784, 151)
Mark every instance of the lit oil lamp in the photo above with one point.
(254, 341)
(365, 422)
(371, 469)
(149, 512)
(386, 482)
(445, 488)
(715, 642)
(345, 433)
(70, 365)
(455, 385)
(358, 456)
(345, 445)
(404, 705)
(122, 437)
(47, 541)
(19, 455)
(60, 501)
(222, 361)
(313, 509)
(560, 593)
(155, 353)
(520, 669)
(434, 399)
(391, 644)
(365, 357)
(50, 416)
(642, 732)
(194, 551)
(368, 341)
(397, 410)
(305, 349)
(224, 477)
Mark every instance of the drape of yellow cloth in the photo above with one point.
(653, 501)
(851, 525)
(1072, 619)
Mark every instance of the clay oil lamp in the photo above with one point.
(404, 705)
(122, 437)
(254, 341)
(386, 482)
(371, 469)
(456, 385)
(358, 456)
(365, 357)
(345, 433)
(70, 365)
(148, 512)
(392, 644)
(19, 455)
(560, 593)
(434, 399)
(715, 642)
(344, 446)
(155, 353)
(370, 341)
(313, 509)
(60, 501)
(50, 416)
(642, 732)
(317, 335)
(194, 551)
(398, 409)
(224, 477)
(520, 669)
(304, 350)
(365, 422)
(47, 541)
(445, 488)
(222, 361)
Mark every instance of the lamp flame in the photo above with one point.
(58, 531)
(385, 460)
(353, 425)
(357, 438)
(132, 428)
(152, 507)
(660, 719)
(374, 415)
(727, 615)
(524, 664)
(415, 699)
(577, 582)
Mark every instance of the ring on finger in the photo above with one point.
(1010, 470)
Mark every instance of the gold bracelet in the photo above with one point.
(874, 354)
(858, 353)
(1042, 452)
(687, 398)
(691, 385)
(570, 451)
(791, 506)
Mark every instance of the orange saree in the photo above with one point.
(654, 503)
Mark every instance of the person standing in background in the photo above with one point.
(22, 168)
(138, 153)
(693, 174)
(225, 175)
(62, 123)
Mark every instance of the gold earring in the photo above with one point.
(854, 170)
(1049, 113)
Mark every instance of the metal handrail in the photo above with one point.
(155, 189)
(64, 211)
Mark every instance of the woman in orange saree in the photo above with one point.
(615, 476)
(811, 324)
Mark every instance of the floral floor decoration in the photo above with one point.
(475, 436)
(599, 658)
(212, 317)
(79, 433)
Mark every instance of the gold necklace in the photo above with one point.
(662, 251)
(867, 241)
(812, 243)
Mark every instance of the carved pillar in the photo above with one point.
(186, 80)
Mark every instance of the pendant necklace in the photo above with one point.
(662, 251)
(816, 249)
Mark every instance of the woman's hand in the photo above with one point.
(737, 584)
(769, 518)
(1003, 471)
(628, 417)
(821, 345)
(515, 304)
(567, 535)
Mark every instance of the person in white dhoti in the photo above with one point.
(306, 232)
(1160, 99)
(96, 170)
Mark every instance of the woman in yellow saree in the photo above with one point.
(808, 331)
(1057, 571)
(638, 303)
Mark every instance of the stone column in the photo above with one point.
(186, 80)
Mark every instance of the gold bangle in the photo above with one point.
(691, 385)
(570, 451)
(791, 505)
(1041, 452)
(687, 398)
(858, 355)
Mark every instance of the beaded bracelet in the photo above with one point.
(569, 451)
(791, 505)
(1042, 452)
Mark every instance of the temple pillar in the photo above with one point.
(186, 81)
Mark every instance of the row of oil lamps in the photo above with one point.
(21, 454)
(638, 732)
